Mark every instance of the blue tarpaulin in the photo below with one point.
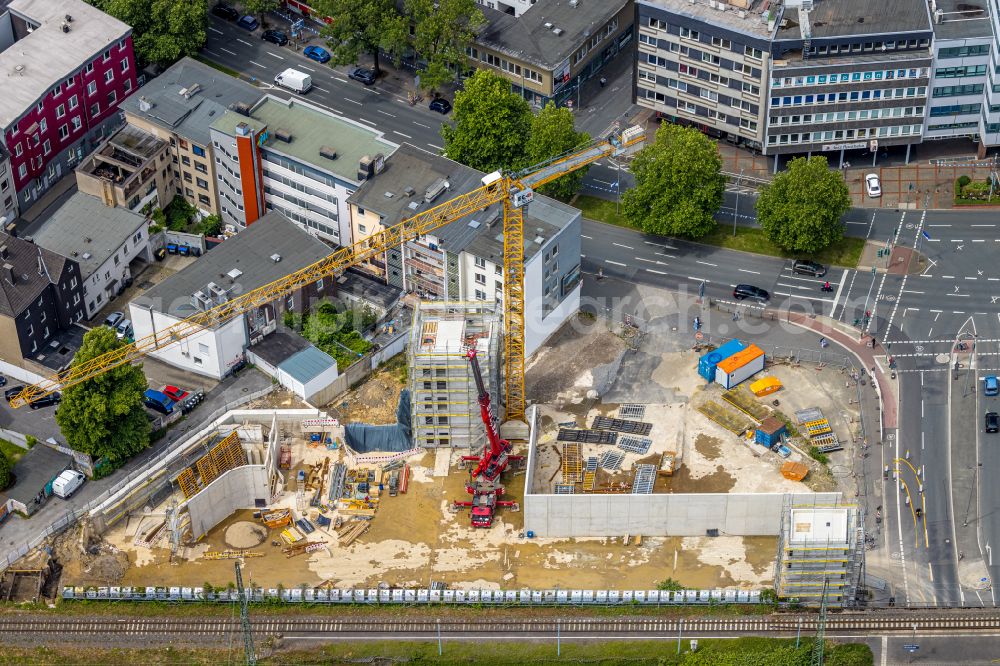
(365, 438)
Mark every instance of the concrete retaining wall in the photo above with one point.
(241, 488)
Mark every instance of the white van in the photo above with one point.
(67, 483)
(294, 80)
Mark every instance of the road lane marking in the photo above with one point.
(219, 32)
(422, 125)
(948, 277)
(938, 225)
(746, 270)
(971, 278)
(705, 263)
(978, 240)
(391, 115)
(256, 63)
(587, 237)
(982, 225)
(603, 182)
(616, 263)
(840, 288)
(367, 122)
(319, 89)
(407, 136)
(697, 279)
(243, 41)
(627, 247)
(308, 69)
(341, 79)
(353, 101)
(227, 51)
(910, 291)
(275, 55)
(650, 270)
(803, 296)
(435, 147)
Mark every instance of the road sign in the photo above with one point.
(911, 647)
(873, 145)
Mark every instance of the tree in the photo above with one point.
(211, 225)
(552, 134)
(491, 124)
(104, 416)
(441, 31)
(679, 186)
(6, 477)
(162, 30)
(259, 8)
(800, 209)
(362, 26)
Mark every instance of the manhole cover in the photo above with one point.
(941, 358)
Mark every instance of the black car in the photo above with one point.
(992, 422)
(362, 74)
(3, 381)
(275, 37)
(806, 267)
(224, 11)
(46, 400)
(743, 291)
(441, 105)
(11, 392)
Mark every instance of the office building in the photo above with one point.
(130, 169)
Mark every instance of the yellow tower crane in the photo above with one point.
(514, 190)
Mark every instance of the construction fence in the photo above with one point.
(320, 595)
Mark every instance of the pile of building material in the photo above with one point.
(630, 411)
(621, 425)
(231, 554)
(637, 445)
(794, 471)
(645, 477)
(356, 507)
(668, 463)
(572, 464)
(300, 548)
(351, 531)
(732, 421)
(338, 477)
(277, 519)
(743, 400)
(612, 460)
(587, 436)
(817, 428)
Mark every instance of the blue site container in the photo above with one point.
(708, 362)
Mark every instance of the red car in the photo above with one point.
(175, 393)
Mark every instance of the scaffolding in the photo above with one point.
(226, 455)
(443, 393)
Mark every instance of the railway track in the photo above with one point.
(333, 627)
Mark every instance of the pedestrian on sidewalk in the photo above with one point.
(823, 343)
(604, 81)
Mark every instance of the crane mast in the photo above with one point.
(513, 190)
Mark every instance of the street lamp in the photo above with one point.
(736, 209)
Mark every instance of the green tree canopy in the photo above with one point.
(678, 187)
(104, 416)
(441, 31)
(491, 124)
(362, 26)
(6, 477)
(260, 7)
(163, 31)
(553, 133)
(800, 210)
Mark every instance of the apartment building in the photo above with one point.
(550, 49)
(705, 64)
(178, 106)
(849, 75)
(41, 293)
(963, 100)
(106, 242)
(463, 261)
(512, 7)
(294, 158)
(68, 66)
(130, 168)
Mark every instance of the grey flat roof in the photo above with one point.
(86, 230)
(250, 253)
(39, 465)
(753, 21)
(546, 217)
(527, 38)
(963, 19)
(358, 284)
(280, 346)
(190, 116)
(46, 56)
(845, 18)
(311, 129)
(308, 364)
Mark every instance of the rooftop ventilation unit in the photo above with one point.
(549, 25)
(409, 191)
(436, 189)
(275, 257)
(68, 18)
(201, 302)
(283, 135)
(388, 195)
(65, 27)
(191, 90)
(329, 152)
(241, 108)
(557, 31)
(217, 293)
(145, 105)
(87, 255)
(235, 273)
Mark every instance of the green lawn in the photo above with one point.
(747, 239)
(11, 450)
(710, 652)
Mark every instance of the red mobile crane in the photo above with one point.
(483, 482)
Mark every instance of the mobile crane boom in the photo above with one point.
(493, 462)
(513, 190)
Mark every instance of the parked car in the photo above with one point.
(992, 422)
(158, 401)
(317, 53)
(224, 11)
(275, 37)
(362, 74)
(441, 105)
(248, 23)
(873, 185)
(806, 267)
(124, 328)
(114, 319)
(67, 483)
(12, 391)
(175, 393)
(46, 401)
(990, 385)
(744, 291)
(294, 80)
(3, 381)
